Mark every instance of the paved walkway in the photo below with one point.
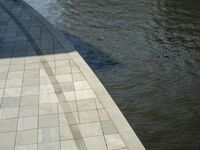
(49, 97)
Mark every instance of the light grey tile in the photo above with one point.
(48, 120)
(14, 83)
(26, 123)
(30, 100)
(90, 129)
(30, 90)
(69, 118)
(45, 109)
(1, 93)
(95, 143)
(3, 75)
(63, 70)
(68, 144)
(48, 134)
(7, 125)
(78, 77)
(62, 63)
(10, 102)
(12, 92)
(6, 113)
(48, 98)
(70, 96)
(7, 140)
(85, 94)
(15, 75)
(27, 147)
(30, 110)
(114, 141)
(30, 81)
(108, 127)
(81, 85)
(64, 78)
(26, 137)
(46, 88)
(29, 66)
(65, 132)
(65, 86)
(88, 104)
(16, 67)
(67, 107)
(34, 73)
(49, 146)
(88, 116)
(4, 68)
(2, 83)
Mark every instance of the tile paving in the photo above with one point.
(49, 97)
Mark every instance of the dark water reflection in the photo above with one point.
(156, 44)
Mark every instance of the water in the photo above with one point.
(147, 54)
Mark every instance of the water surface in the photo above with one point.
(147, 54)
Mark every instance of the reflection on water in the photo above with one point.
(158, 43)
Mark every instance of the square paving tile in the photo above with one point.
(12, 92)
(27, 147)
(29, 110)
(30, 81)
(49, 146)
(30, 90)
(30, 100)
(95, 143)
(14, 83)
(2, 83)
(45, 109)
(47, 88)
(26, 137)
(48, 98)
(81, 85)
(69, 118)
(6, 113)
(48, 134)
(65, 132)
(85, 94)
(64, 78)
(15, 75)
(68, 144)
(62, 70)
(48, 120)
(90, 129)
(88, 116)
(67, 107)
(26, 123)
(10, 102)
(88, 104)
(70, 96)
(7, 125)
(7, 140)
(114, 141)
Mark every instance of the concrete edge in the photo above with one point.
(125, 130)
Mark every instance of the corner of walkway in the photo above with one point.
(49, 97)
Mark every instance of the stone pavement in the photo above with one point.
(49, 98)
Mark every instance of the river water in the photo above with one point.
(147, 54)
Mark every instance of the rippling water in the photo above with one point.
(147, 54)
